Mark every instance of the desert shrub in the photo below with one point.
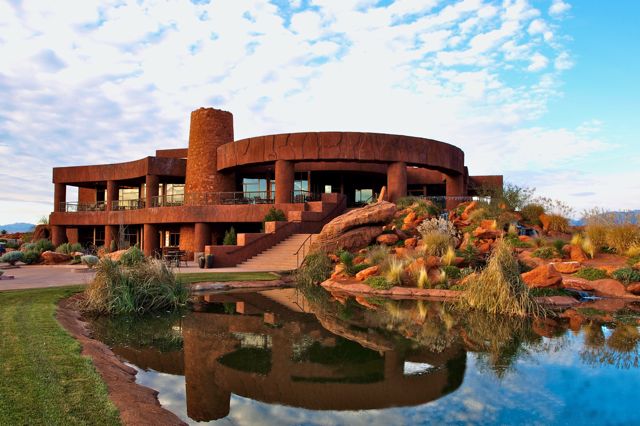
(514, 197)
(315, 269)
(597, 234)
(346, 258)
(422, 280)
(395, 271)
(591, 274)
(545, 253)
(452, 272)
(436, 244)
(499, 289)
(12, 257)
(378, 283)
(531, 213)
(119, 289)
(44, 245)
(449, 256)
(479, 214)
(274, 215)
(90, 260)
(376, 254)
(68, 248)
(626, 275)
(439, 226)
(132, 256)
(28, 246)
(621, 237)
(31, 256)
(558, 245)
(634, 250)
(230, 238)
(558, 223)
(514, 241)
(420, 206)
(632, 261)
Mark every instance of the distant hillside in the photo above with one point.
(17, 227)
(625, 216)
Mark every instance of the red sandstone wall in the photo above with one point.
(86, 195)
(210, 129)
(186, 238)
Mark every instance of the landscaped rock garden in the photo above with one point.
(410, 249)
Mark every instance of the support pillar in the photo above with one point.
(112, 194)
(59, 197)
(151, 239)
(201, 236)
(110, 234)
(285, 177)
(58, 235)
(397, 180)
(152, 183)
(455, 188)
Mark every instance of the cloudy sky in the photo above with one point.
(542, 91)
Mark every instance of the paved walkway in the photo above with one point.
(43, 276)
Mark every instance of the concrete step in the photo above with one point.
(279, 257)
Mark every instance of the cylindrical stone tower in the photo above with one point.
(209, 129)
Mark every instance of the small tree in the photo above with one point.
(275, 215)
(230, 237)
(4, 232)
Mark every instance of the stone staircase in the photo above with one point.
(280, 257)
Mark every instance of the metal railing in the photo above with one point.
(302, 196)
(301, 253)
(167, 200)
(441, 201)
(118, 205)
(99, 206)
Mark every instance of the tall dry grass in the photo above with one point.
(499, 289)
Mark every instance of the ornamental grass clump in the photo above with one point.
(315, 269)
(148, 286)
(395, 271)
(499, 289)
(623, 236)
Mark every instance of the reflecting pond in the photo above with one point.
(291, 357)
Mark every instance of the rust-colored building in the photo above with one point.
(188, 198)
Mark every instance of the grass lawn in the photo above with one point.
(43, 378)
(199, 277)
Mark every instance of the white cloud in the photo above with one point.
(114, 82)
(538, 62)
(558, 8)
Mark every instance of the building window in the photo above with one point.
(128, 194)
(170, 239)
(327, 189)
(363, 195)
(173, 193)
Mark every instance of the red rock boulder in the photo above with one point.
(53, 258)
(567, 267)
(366, 273)
(387, 239)
(544, 276)
(577, 254)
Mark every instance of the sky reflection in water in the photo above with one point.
(576, 377)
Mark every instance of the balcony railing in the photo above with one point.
(301, 196)
(83, 207)
(118, 205)
(167, 200)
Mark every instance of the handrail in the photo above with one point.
(303, 248)
(128, 204)
(73, 207)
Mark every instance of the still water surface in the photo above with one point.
(282, 357)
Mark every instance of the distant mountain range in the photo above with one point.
(17, 227)
(631, 216)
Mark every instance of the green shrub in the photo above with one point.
(531, 213)
(230, 238)
(626, 275)
(28, 246)
(120, 289)
(558, 245)
(68, 248)
(315, 269)
(44, 245)
(591, 274)
(376, 254)
(545, 253)
(452, 272)
(12, 257)
(132, 256)
(515, 241)
(90, 260)
(378, 283)
(274, 215)
(31, 256)
(632, 261)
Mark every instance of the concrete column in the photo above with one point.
(58, 235)
(285, 177)
(397, 181)
(151, 239)
(152, 184)
(59, 197)
(455, 188)
(112, 193)
(110, 234)
(201, 236)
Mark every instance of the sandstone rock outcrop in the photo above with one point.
(387, 239)
(543, 276)
(355, 229)
(366, 273)
(566, 267)
(53, 258)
